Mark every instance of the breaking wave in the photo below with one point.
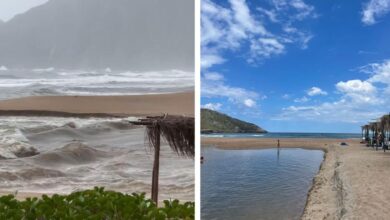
(60, 155)
(50, 81)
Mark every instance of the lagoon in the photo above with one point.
(257, 184)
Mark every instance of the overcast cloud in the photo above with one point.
(10, 8)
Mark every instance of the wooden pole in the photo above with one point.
(156, 166)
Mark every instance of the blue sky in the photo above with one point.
(311, 66)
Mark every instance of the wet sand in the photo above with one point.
(23, 195)
(100, 106)
(352, 182)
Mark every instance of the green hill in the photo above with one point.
(216, 122)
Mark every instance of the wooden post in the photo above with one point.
(156, 166)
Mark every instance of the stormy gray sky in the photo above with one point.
(10, 8)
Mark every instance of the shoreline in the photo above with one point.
(43, 113)
(344, 187)
(100, 106)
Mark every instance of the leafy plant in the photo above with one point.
(95, 204)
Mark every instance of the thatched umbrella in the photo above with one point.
(178, 131)
(376, 128)
(372, 126)
(385, 124)
(379, 126)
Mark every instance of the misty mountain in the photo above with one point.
(122, 34)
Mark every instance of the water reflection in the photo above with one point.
(256, 184)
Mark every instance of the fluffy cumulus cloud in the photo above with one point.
(213, 106)
(313, 91)
(359, 100)
(358, 91)
(373, 10)
(239, 27)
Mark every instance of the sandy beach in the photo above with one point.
(100, 106)
(351, 183)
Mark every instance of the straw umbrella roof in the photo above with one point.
(178, 131)
(385, 121)
(373, 125)
(366, 127)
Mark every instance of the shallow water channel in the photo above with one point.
(257, 184)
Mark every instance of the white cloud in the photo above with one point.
(373, 10)
(213, 76)
(359, 91)
(355, 86)
(302, 100)
(265, 47)
(340, 111)
(234, 27)
(213, 106)
(214, 86)
(295, 9)
(249, 103)
(313, 91)
(380, 72)
(304, 40)
(360, 100)
(286, 96)
(304, 10)
(244, 19)
(208, 60)
(271, 14)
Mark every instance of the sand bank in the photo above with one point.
(100, 106)
(352, 182)
(23, 195)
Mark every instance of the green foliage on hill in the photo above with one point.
(96, 204)
(213, 121)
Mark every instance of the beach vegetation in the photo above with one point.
(216, 122)
(96, 204)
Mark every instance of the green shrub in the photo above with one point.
(96, 204)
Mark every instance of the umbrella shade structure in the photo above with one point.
(178, 132)
(385, 124)
(379, 126)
